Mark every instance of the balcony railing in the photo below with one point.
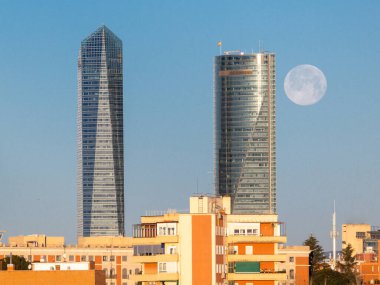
(144, 250)
(144, 230)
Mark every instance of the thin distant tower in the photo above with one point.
(334, 235)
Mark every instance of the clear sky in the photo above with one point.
(325, 151)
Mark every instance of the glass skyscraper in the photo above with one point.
(100, 196)
(245, 131)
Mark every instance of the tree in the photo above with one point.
(347, 264)
(330, 277)
(316, 260)
(19, 262)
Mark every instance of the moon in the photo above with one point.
(305, 84)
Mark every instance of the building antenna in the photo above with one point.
(259, 46)
(220, 47)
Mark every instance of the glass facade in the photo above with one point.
(100, 195)
(245, 131)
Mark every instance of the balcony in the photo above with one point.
(160, 277)
(144, 230)
(232, 257)
(154, 258)
(155, 240)
(256, 239)
(274, 276)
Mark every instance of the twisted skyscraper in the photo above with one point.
(245, 131)
(100, 195)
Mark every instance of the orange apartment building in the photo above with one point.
(364, 239)
(209, 246)
(112, 255)
(296, 265)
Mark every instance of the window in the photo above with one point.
(71, 257)
(162, 267)
(291, 273)
(105, 258)
(248, 249)
(125, 273)
(91, 258)
(236, 232)
(83, 258)
(58, 258)
(291, 259)
(112, 258)
(124, 258)
(360, 235)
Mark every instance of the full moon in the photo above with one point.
(305, 84)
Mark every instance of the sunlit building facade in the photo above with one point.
(245, 131)
(100, 195)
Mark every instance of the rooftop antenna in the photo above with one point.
(220, 47)
(260, 46)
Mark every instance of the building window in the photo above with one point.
(291, 259)
(83, 258)
(291, 273)
(162, 267)
(125, 273)
(112, 258)
(105, 258)
(248, 249)
(91, 258)
(57, 258)
(71, 258)
(360, 235)
(124, 258)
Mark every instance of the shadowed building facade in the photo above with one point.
(100, 194)
(245, 131)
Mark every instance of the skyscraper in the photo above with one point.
(100, 180)
(245, 131)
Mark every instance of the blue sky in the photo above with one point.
(326, 151)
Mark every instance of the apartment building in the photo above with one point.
(109, 254)
(296, 265)
(209, 245)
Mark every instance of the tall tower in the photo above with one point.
(245, 131)
(100, 180)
